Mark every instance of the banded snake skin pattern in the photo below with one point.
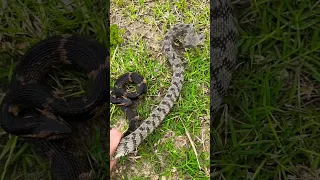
(63, 126)
(223, 51)
(129, 143)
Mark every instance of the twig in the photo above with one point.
(192, 143)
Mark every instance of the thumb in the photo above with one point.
(115, 137)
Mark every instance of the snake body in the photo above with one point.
(223, 54)
(122, 97)
(32, 109)
(129, 143)
(223, 51)
(126, 100)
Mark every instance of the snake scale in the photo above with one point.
(127, 100)
(223, 51)
(223, 56)
(130, 142)
(33, 110)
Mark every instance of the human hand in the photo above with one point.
(115, 137)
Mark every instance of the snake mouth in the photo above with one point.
(47, 135)
(50, 126)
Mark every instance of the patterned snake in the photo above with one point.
(129, 143)
(223, 51)
(127, 100)
(223, 54)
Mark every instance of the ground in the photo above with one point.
(269, 128)
(168, 152)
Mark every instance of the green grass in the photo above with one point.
(24, 23)
(167, 152)
(270, 126)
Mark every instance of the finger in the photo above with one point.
(115, 137)
(112, 163)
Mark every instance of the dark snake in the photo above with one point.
(127, 100)
(32, 110)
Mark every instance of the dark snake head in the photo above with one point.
(51, 127)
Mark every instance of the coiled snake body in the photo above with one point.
(129, 143)
(48, 127)
(127, 100)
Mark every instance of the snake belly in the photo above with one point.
(129, 143)
(223, 51)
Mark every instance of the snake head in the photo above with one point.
(125, 101)
(192, 40)
(51, 127)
